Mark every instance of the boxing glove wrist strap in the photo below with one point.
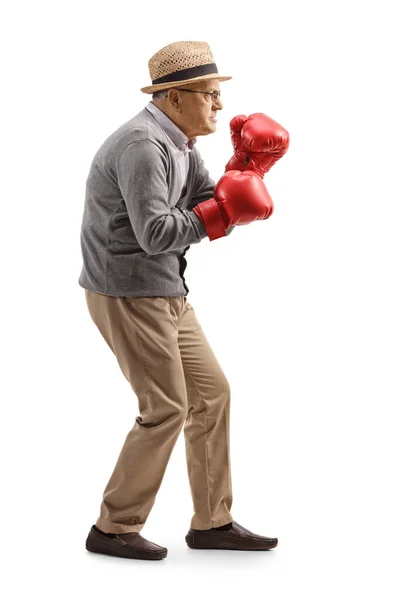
(210, 215)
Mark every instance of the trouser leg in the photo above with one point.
(143, 335)
(206, 428)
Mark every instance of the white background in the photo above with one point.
(302, 310)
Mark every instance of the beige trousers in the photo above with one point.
(164, 354)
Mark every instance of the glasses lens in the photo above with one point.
(216, 95)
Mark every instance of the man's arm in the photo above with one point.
(142, 177)
(204, 189)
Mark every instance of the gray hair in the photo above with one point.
(160, 95)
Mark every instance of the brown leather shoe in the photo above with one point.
(124, 545)
(234, 538)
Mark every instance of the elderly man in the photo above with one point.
(148, 198)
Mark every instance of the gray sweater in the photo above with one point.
(138, 222)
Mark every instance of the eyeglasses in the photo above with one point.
(215, 95)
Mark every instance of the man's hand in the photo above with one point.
(258, 142)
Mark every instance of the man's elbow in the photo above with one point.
(153, 243)
(151, 248)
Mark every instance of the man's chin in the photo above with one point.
(212, 127)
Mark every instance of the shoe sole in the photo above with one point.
(124, 552)
(221, 548)
(206, 546)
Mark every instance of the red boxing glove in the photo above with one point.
(239, 198)
(258, 142)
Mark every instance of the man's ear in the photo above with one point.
(173, 97)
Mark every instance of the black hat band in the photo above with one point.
(187, 73)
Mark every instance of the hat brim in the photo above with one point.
(163, 86)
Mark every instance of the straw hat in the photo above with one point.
(180, 63)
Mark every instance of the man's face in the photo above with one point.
(194, 113)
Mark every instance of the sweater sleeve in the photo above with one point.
(142, 170)
(204, 189)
